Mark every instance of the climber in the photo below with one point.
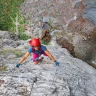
(37, 49)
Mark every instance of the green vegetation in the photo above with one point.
(24, 36)
(3, 68)
(6, 51)
(45, 42)
(11, 18)
(18, 53)
(9, 9)
(50, 22)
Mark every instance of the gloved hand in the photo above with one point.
(18, 65)
(38, 58)
(56, 63)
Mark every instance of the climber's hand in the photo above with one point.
(56, 63)
(40, 58)
(18, 65)
(37, 59)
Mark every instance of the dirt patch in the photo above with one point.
(3, 68)
(16, 52)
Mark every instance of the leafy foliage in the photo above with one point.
(11, 18)
(45, 42)
(24, 36)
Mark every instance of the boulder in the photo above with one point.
(83, 47)
(64, 43)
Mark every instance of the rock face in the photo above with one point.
(9, 35)
(60, 12)
(44, 27)
(66, 45)
(72, 78)
(67, 16)
(90, 12)
(9, 39)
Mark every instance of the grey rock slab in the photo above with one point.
(90, 14)
(15, 86)
(4, 35)
(90, 11)
(72, 78)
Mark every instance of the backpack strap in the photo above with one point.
(40, 50)
(33, 50)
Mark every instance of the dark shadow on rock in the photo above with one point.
(66, 44)
(47, 37)
(83, 49)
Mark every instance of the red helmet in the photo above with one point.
(35, 42)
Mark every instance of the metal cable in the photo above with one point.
(55, 90)
(34, 81)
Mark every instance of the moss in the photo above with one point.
(23, 36)
(45, 42)
(2, 52)
(16, 52)
(26, 47)
(3, 68)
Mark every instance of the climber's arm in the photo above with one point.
(24, 57)
(49, 55)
